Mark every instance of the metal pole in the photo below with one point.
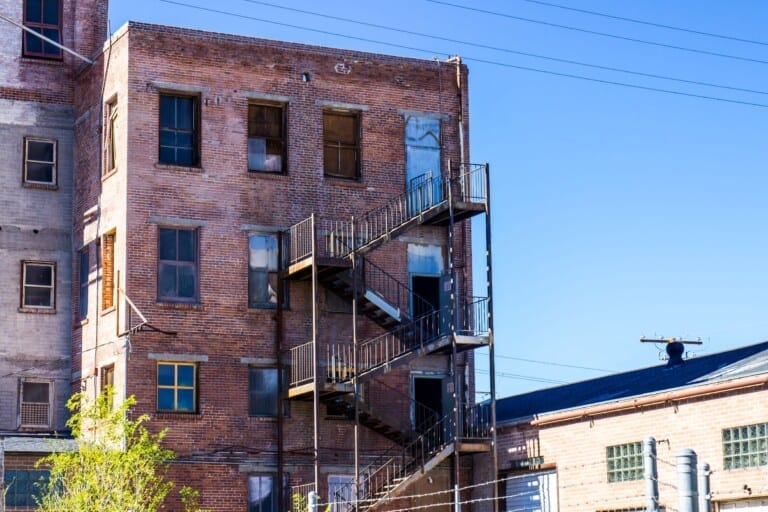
(686, 481)
(491, 344)
(315, 359)
(705, 496)
(355, 382)
(280, 370)
(651, 475)
(454, 353)
(312, 501)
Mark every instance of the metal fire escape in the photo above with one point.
(332, 254)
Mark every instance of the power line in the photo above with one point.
(521, 377)
(649, 23)
(483, 61)
(550, 363)
(602, 34)
(505, 50)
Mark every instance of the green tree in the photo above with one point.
(119, 465)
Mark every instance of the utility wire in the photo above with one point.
(648, 23)
(596, 33)
(483, 61)
(505, 50)
(550, 363)
(521, 377)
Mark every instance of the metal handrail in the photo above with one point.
(397, 294)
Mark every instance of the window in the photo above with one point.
(177, 265)
(266, 138)
(625, 462)
(262, 271)
(83, 272)
(262, 493)
(745, 446)
(39, 161)
(108, 382)
(38, 290)
(177, 387)
(341, 492)
(110, 150)
(35, 404)
(263, 394)
(108, 271)
(178, 130)
(43, 17)
(341, 144)
(23, 486)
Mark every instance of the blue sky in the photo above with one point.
(618, 212)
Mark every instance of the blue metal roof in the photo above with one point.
(740, 362)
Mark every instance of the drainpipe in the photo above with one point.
(457, 60)
(687, 491)
(651, 475)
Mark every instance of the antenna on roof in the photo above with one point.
(675, 348)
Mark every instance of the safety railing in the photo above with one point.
(395, 293)
(302, 368)
(473, 317)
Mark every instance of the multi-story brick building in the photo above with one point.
(36, 178)
(281, 263)
(580, 446)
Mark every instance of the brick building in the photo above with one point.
(267, 243)
(579, 446)
(36, 178)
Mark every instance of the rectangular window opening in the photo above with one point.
(110, 147)
(43, 17)
(40, 161)
(179, 130)
(177, 387)
(83, 271)
(178, 265)
(745, 446)
(266, 138)
(263, 392)
(341, 144)
(108, 271)
(38, 285)
(23, 487)
(35, 404)
(625, 462)
(263, 267)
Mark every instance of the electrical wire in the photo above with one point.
(506, 50)
(648, 23)
(521, 377)
(550, 363)
(472, 59)
(602, 34)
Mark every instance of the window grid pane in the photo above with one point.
(39, 283)
(341, 144)
(266, 134)
(40, 161)
(178, 125)
(176, 387)
(43, 17)
(624, 462)
(745, 446)
(177, 265)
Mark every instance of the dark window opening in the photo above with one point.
(341, 144)
(39, 161)
(84, 273)
(179, 130)
(266, 138)
(43, 17)
(38, 289)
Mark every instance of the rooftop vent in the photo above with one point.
(675, 350)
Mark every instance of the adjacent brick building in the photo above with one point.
(36, 179)
(266, 243)
(579, 446)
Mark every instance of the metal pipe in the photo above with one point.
(280, 371)
(686, 481)
(491, 343)
(651, 475)
(705, 496)
(315, 359)
(355, 382)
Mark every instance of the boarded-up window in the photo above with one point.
(108, 271)
(341, 144)
(266, 138)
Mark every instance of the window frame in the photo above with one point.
(42, 26)
(746, 450)
(194, 265)
(12, 498)
(54, 163)
(110, 149)
(282, 139)
(51, 287)
(194, 131)
(84, 270)
(49, 405)
(252, 304)
(632, 472)
(339, 145)
(280, 392)
(273, 491)
(176, 387)
(337, 482)
(108, 287)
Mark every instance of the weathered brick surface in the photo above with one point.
(221, 441)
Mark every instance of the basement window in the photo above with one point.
(745, 446)
(39, 161)
(341, 144)
(42, 17)
(625, 462)
(266, 138)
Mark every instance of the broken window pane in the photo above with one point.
(266, 136)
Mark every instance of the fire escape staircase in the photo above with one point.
(328, 249)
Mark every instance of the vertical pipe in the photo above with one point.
(686, 481)
(355, 382)
(651, 474)
(2, 474)
(315, 361)
(312, 501)
(454, 353)
(491, 345)
(704, 489)
(280, 370)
